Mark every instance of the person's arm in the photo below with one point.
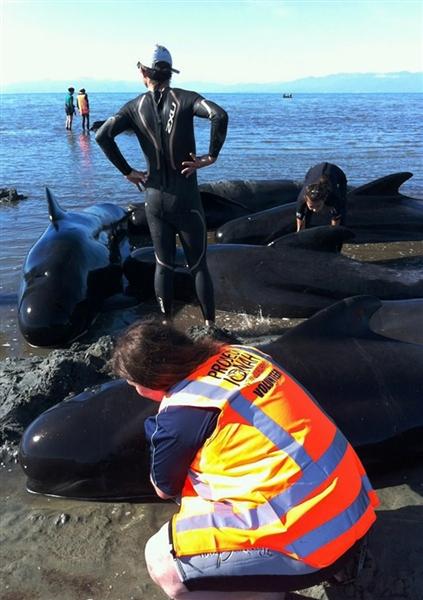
(339, 201)
(176, 435)
(159, 492)
(105, 138)
(301, 210)
(206, 109)
(300, 223)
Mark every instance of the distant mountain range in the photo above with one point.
(400, 82)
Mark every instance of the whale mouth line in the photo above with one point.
(139, 497)
(41, 342)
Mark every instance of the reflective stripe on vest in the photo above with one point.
(326, 502)
(278, 506)
(315, 539)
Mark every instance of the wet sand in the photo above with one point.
(54, 548)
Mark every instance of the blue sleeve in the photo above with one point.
(175, 436)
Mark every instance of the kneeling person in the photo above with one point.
(325, 185)
(273, 497)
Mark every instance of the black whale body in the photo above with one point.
(227, 200)
(294, 276)
(376, 212)
(222, 199)
(70, 270)
(361, 359)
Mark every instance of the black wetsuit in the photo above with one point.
(163, 124)
(336, 199)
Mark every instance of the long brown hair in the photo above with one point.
(158, 356)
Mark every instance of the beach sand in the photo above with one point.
(54, 548)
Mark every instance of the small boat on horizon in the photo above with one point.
(287, 96)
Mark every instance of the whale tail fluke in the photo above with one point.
(55, 212)
(324, 238)
(384, 186)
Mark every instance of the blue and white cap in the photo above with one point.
(160, 55)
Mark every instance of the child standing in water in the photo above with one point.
(69, 108)
(84, 108)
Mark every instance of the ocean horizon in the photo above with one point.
(374, 82)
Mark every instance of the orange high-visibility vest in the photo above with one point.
(83, 106)
(276, 473)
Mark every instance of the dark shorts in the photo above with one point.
(69, 112)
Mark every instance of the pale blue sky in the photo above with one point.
(221, 41)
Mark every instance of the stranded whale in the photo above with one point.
(376, 212)
(294, 276)
(229, 199)
(70, 270)
(361, 359)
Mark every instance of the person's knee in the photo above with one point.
(161, 565)
(154, 564)
(199, 268)
(164, 269)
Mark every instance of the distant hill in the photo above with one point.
(400, 82)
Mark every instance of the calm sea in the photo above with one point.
(367, 135)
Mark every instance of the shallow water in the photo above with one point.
(368, 135)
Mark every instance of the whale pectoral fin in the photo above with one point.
(324, 238)
(384, 186)
(55, 212)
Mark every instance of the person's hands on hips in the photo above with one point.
(138, 178)
(197, 162)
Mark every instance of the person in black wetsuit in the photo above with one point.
(325, 186)
(162, 119)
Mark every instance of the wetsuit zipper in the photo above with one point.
(150, 133)
(164, 177)
(172, 134)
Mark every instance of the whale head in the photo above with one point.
(64, 278)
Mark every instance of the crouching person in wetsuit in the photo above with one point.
(162, 120)
(325, 188)
(272, 496)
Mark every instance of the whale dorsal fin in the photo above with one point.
(55, 212)
(324, 239)
(384, 186)
(349, 317)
